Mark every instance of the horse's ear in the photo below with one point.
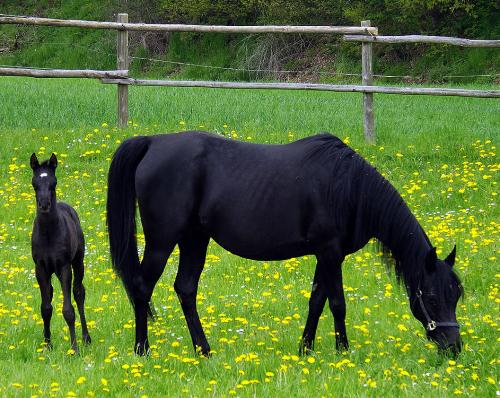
(34, 161)
(450, 260)
(431, 259)
(53, 161)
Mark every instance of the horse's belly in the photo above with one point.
(267, 252)
(259, 238)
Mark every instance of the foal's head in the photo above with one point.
(434, 302)
(44, 182)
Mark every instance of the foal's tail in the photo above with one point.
(121, 207)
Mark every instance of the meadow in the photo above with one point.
(440, 153)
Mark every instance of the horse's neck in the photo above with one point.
(48, 222)
(396, 227)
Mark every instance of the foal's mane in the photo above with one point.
(45, 163)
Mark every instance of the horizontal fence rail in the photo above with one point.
(309, 86)
(366, 34)
(186, 28)
(83, 73)
(454, 41)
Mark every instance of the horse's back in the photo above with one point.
(248, 197)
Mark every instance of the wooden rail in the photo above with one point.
(365, 34)
(83, 73)
(186, 28)
(309, 86)
(454, 41)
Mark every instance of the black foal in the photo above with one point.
(57, 245)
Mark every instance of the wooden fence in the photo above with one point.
(366, 34)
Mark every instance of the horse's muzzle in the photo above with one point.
(451, 350)
(449, 344)
(44, 207)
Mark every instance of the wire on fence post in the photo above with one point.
(122, 63)
(367, 80)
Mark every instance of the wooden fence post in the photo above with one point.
(122, 63)
(367, 80)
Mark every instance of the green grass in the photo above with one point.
(439, 152)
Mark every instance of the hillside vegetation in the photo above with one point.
(310, 57)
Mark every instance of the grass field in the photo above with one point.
(441, 154)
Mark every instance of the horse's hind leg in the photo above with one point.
(193, 249)
(79, 294)
(65, 275)
(316, 305)
(156, 254)
(46, 291)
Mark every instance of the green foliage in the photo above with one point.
(95, 49)
(434, 17)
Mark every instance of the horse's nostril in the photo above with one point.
(44, 206)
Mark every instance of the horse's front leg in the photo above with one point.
(46, 291)
(316, 305)
(79, 294)
(330, 269)
(65, 277)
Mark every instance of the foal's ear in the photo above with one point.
(431, 259)
(53, 161)
(34, 161)
(450, 260)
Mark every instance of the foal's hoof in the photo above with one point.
(342, 347)
(305, 347)
(73, 351)
(86, 339)
(142, 349)
(205, 352)
(47, 345)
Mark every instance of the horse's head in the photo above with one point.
(44, 182)
(434, 302)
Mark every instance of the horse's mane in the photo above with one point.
(45, 163)
(376, 208)
(369, 205)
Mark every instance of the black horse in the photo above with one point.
(267, 202)
(57, 244)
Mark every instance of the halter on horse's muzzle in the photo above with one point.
(432, 325)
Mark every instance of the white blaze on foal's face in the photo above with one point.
(43, 175)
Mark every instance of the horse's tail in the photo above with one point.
(121, 207)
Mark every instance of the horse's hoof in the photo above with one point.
(142, 349)
(206, 353)
(86, 339)
(203, 351)
(342, 347)
(73, 351)
(305, 347)
(47, 345)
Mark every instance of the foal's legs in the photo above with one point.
(330, 272)
(153, 263)
(193, 249)
(79, 294)
(65, 275)
(46, 291)
(316, 305)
